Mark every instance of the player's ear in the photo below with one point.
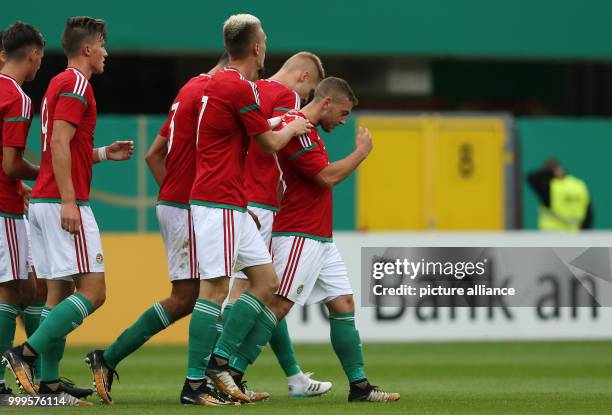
(86, 49)
(326, 102)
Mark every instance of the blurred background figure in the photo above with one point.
(565, 203)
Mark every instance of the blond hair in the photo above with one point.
(239, 32)
(301, 59)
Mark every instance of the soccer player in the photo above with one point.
(22, 49)
(304, 253)
(171, 159)
(33, 291)
(292, 85)
(65, 237)
(226, 236)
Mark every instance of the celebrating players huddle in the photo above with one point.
(252, 202)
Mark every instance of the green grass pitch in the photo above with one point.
(449, 378)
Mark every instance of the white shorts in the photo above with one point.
(177, 233)
(266, 218)
(13, 249)
(59, 255)
(310, 271)
(227, 240)
(30, 260)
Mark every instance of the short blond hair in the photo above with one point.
(301, 58)
(239, 32)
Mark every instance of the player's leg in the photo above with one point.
(298, 382)
(297, 260)
(214, 249)
(333, 287)
(280, 340)
(65, 256)
(155, 319)
(177, 234)
(9, 309)
(253, 258)
(57, 291)
(32, 303)
(296, 266)
(13, 272)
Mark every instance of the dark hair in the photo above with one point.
(1, 43)
(239, 35)
(223, 59)
(337, 88)
(18, 38)
(79, 29)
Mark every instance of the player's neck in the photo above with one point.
(281, 78)
(80, 66)
(14, 71)
(312, 112)
(247, 68)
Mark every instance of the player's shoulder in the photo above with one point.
(200, 79)
(71, 81)
(10, 90)
(195, 84)
(273, 86)
(12, 94)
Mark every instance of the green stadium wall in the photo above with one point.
(504, 28)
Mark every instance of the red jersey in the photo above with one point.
(15, 119)
(306, 208)
(69, 97)
(261, 173)
(180, 130)
(229, 115)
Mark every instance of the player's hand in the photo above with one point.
(27, 191)
(120, 150)
(71, 217)
(363, 141)
(255, 218)
(300, 126)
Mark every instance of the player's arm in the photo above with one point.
(156, 158)
(118, 151)
(15, 166)
(339, 170)
(273, 141)
(246, 105)
(14, 136)
(63, 133)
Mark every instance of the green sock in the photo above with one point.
(222, 321)
(31, 320)
(151, 322)
(226, 312)
(202, 336)
(240, 322)
(50, 361)
(8, 323)
(31, 317)
(347, 344)
(63, 319)
(283, 349)
(255, 341)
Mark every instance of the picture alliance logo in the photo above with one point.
(384, 267)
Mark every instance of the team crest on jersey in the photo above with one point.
(300, 289)
(99, 258)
